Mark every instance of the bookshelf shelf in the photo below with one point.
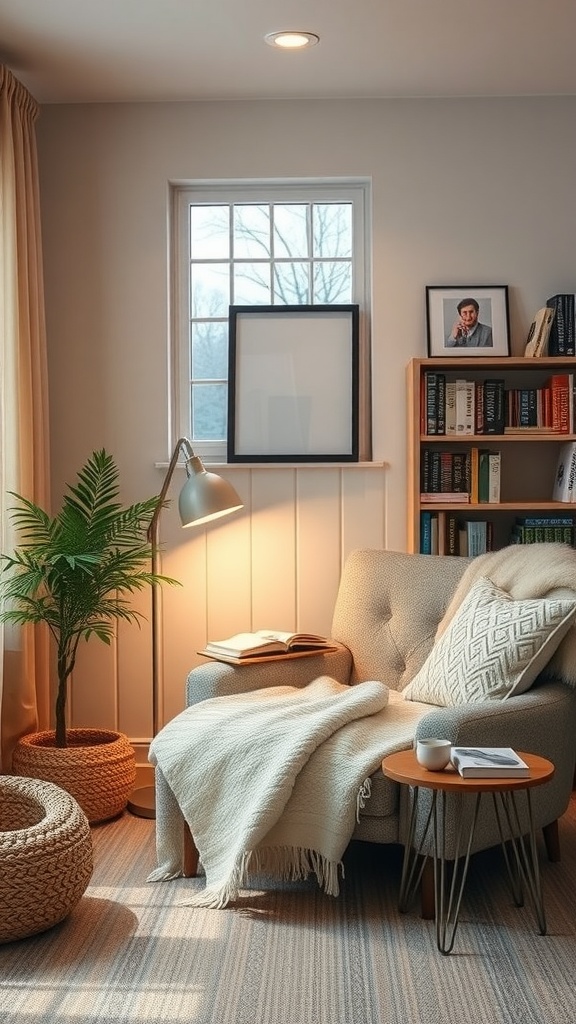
(484, 439)
(528, 458)
(502, 506)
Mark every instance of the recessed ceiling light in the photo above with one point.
(289, 40)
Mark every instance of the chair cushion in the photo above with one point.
(493, 648)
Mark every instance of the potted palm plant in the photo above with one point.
(76, 572)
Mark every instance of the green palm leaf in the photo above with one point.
(76, 571)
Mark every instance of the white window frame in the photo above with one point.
(357, 191)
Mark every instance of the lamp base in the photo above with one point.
(142, 802)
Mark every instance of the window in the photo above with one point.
(255, 243)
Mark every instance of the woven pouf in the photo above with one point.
(45, 856)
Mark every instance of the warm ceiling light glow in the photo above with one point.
(292, 40)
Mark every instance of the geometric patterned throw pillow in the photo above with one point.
(493, 648)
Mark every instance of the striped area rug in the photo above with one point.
(135, 952)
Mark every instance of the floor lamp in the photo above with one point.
(204, 496)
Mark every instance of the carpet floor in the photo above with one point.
(134, 952)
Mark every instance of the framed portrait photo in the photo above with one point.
(467, 321)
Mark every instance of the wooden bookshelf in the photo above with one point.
(528, 460)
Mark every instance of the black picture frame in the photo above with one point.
(446, 336)
(293, 391)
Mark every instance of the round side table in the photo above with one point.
(520, 853)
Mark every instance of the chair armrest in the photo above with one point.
(541, 721)
(217, 678)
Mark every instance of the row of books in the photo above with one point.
(461, 407)
(474, 476)
(559, 529)
(442, 533)
(553, 329)
(462, 476)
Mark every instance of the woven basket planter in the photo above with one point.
(45, 856)
(98, 768)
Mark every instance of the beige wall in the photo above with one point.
(464, 192)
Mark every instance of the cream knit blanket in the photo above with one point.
(272, 780)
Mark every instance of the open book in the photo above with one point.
(266, 641)
(489, 763)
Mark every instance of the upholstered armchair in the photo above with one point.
(387, 613)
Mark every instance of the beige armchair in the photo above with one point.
(387, 612)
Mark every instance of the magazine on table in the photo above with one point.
(489, 763)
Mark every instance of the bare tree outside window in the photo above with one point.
(256, 254)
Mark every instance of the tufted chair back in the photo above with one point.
(388, 608)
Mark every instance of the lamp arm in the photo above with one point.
(183, 444)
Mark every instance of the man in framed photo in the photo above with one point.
(467, 331)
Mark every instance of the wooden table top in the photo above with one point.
(404, 768)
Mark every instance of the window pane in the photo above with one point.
(291, 230)
(208, 412)
(332, 229)
(209, 351)
(289, 244)
(210, 232)
(251, 284)
(291, 283)
(332, 282)
(252, 232)
(210, 289)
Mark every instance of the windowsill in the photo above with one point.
(215, 466)
(296, 465)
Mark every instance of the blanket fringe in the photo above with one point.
(286, 863)
(292, 864)
(161, 875)
(217, 897)
(364, 794)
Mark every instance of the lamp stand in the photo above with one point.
(204, 496)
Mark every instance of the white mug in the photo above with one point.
(433, 754)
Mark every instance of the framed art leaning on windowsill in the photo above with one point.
(294, 383)
(467, 321)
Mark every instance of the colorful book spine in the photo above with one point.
(446, 471)
(460, 471)
(431, 402)
(483, 476)
(564, 483)
(494, 477)
(477, 537)
(474, 466)
(440, 403)
(494, 406)
(562, 339)
(465, 419)
(559, 384)
(426, 533)
(452, 535)
(450, 421)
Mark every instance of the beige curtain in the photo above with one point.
(24, 697)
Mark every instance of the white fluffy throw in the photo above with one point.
(525, 571)
(271, 781)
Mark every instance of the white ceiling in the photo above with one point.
(75, 51)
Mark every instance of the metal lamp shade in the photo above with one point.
(205, 496)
